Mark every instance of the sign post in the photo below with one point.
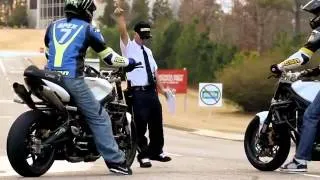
(175, 79)
(186, 93)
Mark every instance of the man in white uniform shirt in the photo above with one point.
(147, 110)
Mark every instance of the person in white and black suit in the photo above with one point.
(144, 88)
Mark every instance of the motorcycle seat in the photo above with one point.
(55, 77)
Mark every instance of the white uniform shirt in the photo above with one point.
(138, 76)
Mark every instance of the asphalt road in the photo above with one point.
(194, 156)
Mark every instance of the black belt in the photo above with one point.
(142, 88)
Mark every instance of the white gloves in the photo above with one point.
(168, 93)
(118, 11)
(170, 100)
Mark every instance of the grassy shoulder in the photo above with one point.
(189, 115)
(21, 39)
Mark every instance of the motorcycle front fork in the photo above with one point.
(264, 132)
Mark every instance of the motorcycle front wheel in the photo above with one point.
(269, 153)
(131, 141)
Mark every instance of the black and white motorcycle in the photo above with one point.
(268, 136)
(54, 128)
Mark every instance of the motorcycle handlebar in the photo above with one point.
(102, 73)
(293, 76)
(115, 80)
(111, 76)
(89, 69)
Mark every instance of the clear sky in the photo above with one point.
(225, 4)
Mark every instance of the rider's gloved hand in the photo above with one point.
(275, 69)
(132, 65)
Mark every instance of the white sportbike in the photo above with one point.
(54, 128)
(268, 136)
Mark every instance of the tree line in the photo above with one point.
(235, 47)
(13, 15)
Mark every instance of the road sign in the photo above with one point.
(176, 79)
(210, 94)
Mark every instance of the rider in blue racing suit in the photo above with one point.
(67, 41)
(311, 117)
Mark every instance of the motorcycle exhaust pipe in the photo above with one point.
(53, 99)
(58, 133)
(22, 92)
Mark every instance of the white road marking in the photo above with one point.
(16, 54)
(5, 117)
(218, 134)
(8, 80)
(16, 72)
(173, 154)
(312, 175)
(28, 60)
(5, 101)
(17, 69)
(3, 69)
(57, 167)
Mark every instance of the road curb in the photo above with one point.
(178, 128)
(29, 61)
(210, 133)
(219, 134)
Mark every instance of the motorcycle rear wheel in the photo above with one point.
(22, 157)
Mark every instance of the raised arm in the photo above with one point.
(122, 26)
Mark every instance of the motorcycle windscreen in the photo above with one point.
(308, 90)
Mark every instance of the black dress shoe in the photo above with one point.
(161, 157)
(145, 163)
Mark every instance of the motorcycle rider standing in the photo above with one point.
(311, 116)
(67, 41)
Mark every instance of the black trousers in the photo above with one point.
(147, 113)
